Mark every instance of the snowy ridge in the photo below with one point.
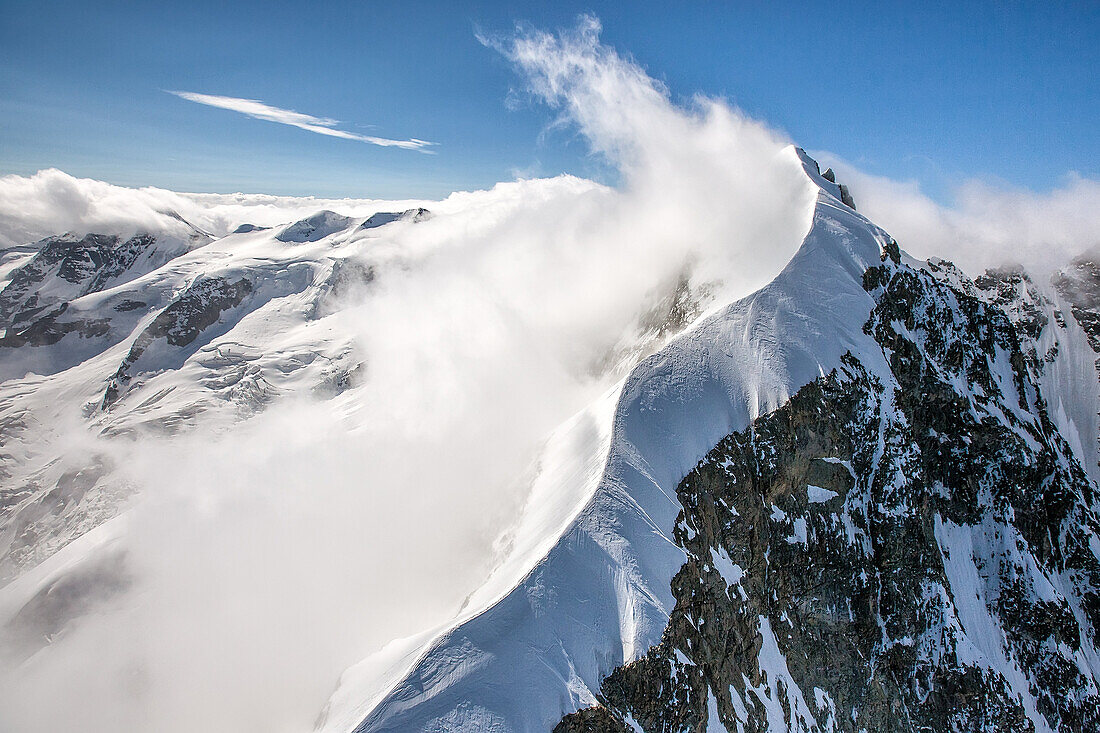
(314, 228)
(915, 547)
(601, 595)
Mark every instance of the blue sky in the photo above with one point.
(1004, 92)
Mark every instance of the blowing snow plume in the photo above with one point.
(268, 549)
(713, 177)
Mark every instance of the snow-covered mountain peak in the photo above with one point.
(518, 661)
(826, 180)
(324, 224)
(314, 228)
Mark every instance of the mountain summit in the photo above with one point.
(862, 498)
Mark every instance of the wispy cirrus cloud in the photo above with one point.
(321, 125)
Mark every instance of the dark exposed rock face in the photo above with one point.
(130, 305)
(86, 265)
(845, 194)
(846, 197)
(34, 305)
(1012, 290)
(47, 330)
(196, 309)
(199, 307)
(891, 552)
(591, 720)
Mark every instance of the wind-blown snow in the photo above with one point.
(982, 225)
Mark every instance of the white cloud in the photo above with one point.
(53, 202)
(982, 225)
(320, 125)
(705, 179)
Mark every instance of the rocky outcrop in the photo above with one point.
(178, 325)
(1079, 284)
(591, 720)
(83, 265)
(845, 194)
(846, 197)
(894, 551)
(48, 329)
(1012, 290)
(67, 267)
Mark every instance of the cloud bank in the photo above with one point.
(983, 225)
(53, 202)
(320, 125)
